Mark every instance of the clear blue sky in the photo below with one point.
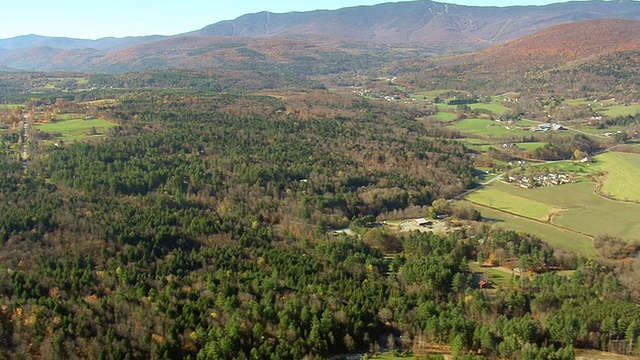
(95, 19)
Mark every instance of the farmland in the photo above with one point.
(622, 171)
(76, 127)
(622, 110)
(575, 210)
(495, 107)
(486, 128)
(556, 237)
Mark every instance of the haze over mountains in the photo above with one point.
(323, 39)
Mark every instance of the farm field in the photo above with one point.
(514, 204)
(608, 107)
(584, 211)
(495, 107)
(445, 116)
(621, 110)
(490, 128)
(622, 174)
(531, 145)
(76, 128)
(575, 207)
(554, 236)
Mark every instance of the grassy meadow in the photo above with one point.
(498, 198)
(565, 216)
(486, 128)
(445, 116)
(621, 110)
(75, 126)
(622, 174)
(555, 236)
(495, 107)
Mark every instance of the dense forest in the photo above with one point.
(201, 227)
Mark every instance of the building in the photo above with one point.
(422, 222)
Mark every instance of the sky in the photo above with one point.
(97, 19)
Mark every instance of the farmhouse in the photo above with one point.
(422, 222)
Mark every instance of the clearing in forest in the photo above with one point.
(76, 127)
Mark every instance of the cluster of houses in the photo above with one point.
(548, 127)
(541, 180)
(381, 95)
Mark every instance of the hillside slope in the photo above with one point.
(564, 57)
(424, 23)
(323, 41)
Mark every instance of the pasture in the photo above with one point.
(497, 198)
(556, 237)
(574, 207)
(622, 173)
(485, 128)
(496, 107)
(76, 128)
(621, 110)
(529, 146)
(445, 116)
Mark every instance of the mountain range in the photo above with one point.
(328, 40)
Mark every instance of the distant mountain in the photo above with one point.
(222, 52)
(322, 41)
(21, 43)
(424, 23)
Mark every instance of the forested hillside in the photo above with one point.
(201, 226)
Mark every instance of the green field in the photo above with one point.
(609, 107)
(495, 107)
(576, 208)
(577, 102)
(490, 129)
(445, 116)
(622, 174)
(496, 198)
(552, 235)
(76, 128)
(531, 145)
(621, 110)
(497, 277)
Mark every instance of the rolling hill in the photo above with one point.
(565, 45)
(565, 56)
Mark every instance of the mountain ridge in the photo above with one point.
(430, 28)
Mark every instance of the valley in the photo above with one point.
(231, 194)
